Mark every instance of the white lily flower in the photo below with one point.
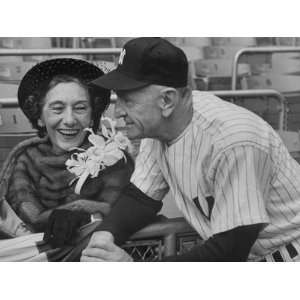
(76, 167)
(96, 140)
(107, 150)
(111, 157)
(122, 141)
(106, 132)
(95, 153)
(93, 167)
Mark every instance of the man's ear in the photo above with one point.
(168, 101)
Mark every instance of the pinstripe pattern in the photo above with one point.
(235, 157)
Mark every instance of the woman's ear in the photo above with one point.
(168, 101)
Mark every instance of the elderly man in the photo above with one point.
(229, 172)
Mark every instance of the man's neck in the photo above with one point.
(176, 125)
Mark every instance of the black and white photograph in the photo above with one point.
(159, 149)
(150, 149)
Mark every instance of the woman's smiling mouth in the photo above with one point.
(68, 132)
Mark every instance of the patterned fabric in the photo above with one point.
(31, 247)
(31, 174)
(40, 182)
(227, 169)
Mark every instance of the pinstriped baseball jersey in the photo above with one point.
(227, 169)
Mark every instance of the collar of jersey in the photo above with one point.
(183, 133)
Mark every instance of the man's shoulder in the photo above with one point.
(148, 151)
(209, 105)
(148, 143)
(204, 96)
(216, 111)
(229, 123)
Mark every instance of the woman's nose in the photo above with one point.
(69, 118)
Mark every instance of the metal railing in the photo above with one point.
(13, 102)
(163, 238)
(282, 109)
(256, 50)
(59, 51)
(9, 103)
(167, 229)
(115, 51)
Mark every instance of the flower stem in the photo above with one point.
(81, 181)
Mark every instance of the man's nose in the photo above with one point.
(119, 111)
(69, 118)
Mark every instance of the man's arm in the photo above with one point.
(232, 245)
(133, 211)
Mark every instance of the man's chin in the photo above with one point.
(131, 134)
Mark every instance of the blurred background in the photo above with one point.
(212, 61)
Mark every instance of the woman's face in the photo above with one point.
(65, 113)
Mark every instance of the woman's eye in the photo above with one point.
(81, 108)
(57, 108)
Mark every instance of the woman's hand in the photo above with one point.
(62, 226)
(101, 248)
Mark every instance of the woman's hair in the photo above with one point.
(99, 101)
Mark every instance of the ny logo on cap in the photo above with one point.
(121, 58)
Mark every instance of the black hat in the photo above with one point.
(145, 61)
(43, 72)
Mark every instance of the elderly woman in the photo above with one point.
(59, 103)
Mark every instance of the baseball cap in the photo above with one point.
(144, 61)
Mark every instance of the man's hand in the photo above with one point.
(102, 248)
